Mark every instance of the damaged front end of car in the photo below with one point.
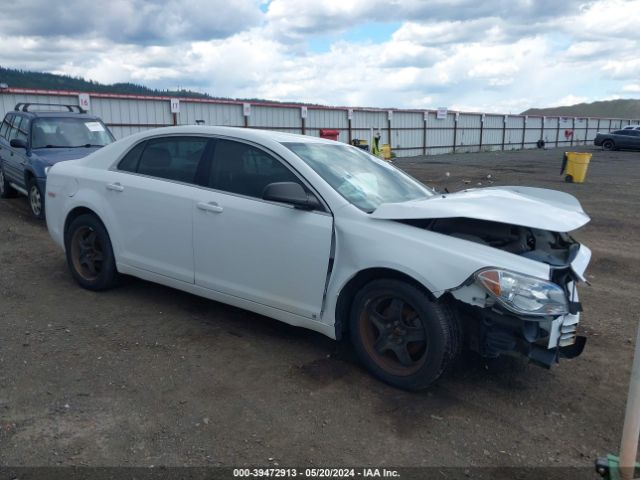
(504, 311)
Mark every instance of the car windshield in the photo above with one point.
(364, 180)
(69, 132)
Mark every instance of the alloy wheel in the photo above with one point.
(393, 335)
(35, 200)
(87, 253)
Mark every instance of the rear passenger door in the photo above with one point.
(149, 197)
(265, 252)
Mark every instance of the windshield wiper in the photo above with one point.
(52, 146)
(86, 145)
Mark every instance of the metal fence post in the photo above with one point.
(524, 131)
(424, 133)
(504, 129)
(631, 429)
(558, 132)
(481, 131)
(586, 131)
(455, 131)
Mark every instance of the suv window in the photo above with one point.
(13, 133)
(6, 124)
(173, 158)
(245, 170)
(23, 129)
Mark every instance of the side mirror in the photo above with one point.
(18, 143)
(291, 193)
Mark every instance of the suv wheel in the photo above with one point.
(6, 190)
(402, 336)
(89, 253)
(36, 199)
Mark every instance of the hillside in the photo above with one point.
(51, 81)
(622, 108)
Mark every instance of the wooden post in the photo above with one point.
(558, 132)
(350, 133)
(524, 131)
(542, 119)
(481, 131)
(573, 129)
(175, 118)
(304, 126)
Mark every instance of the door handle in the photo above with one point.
(116, 187)
(210, 207)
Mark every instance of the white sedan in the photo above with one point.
(322, 235)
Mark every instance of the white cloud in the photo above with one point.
(498, 55)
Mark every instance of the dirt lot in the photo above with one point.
(145, 375)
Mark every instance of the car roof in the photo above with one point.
(251, 134)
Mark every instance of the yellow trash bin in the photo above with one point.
(386, 151)
(575, 166)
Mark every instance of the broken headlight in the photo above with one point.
(523, 294)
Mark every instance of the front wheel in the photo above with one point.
(608, 145)
(401, 335)
(89, 253)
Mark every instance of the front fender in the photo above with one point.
(438, 262)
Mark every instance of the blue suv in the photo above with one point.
(32, 139)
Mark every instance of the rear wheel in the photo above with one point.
(6, 190)
(402, 336)
(89, 253)
(36, 199)
(608, 145)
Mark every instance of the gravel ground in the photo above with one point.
(144, 375)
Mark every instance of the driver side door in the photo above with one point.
(265, 252)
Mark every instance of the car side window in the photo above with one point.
(246, 170)
(130, 161)
(172, 158)
(23, 130)
(5, 126)
(15, 125)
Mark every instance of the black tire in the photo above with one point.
(402, 336)
(568, 179)
(6, 190)
(89, 253)
(36, 199)
(608, 145)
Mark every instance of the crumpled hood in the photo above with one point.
(526, 206)
(51, 156)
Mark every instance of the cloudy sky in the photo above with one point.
(481, 55)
